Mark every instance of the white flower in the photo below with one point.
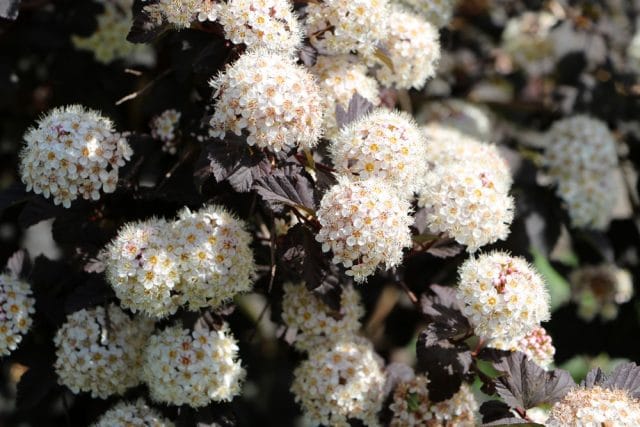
(437, 12)
(343, 26)
(503, 297)
(581, 158)
(633, 53)
(275, 101)
(386, 145)
(340, 381)
(315, 322)
(599, 289)
(536, 345)
(413, 47)
(164, 128)
(181, 13)
(340, 78)
(71, 152)
(526, 39)
(595, 406)
(470, 119)
(16, 307)
(365, 224)
(192, 367)
(412, 406)
(100, 353)
(261, 23)
(137, 414)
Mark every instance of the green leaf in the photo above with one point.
(559, 288)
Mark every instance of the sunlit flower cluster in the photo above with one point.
(315, 322)
(202, 259)
(537, 345)
(181, 13)
(437, 12)
(504, 297)
(164, 128)
(108, 42)
(413, 47)
(526, 40)
(600, 289)
(100, 352)
(342, 381)
(262, 23)
(580, 154)
(466, 191)
(467, 118)
(384, 144)
(411, 406)
(276, 102)
(365, 224)
(183, 367)
(72, 151)
(343, 26)
(16, 307)
(595, 406)
(136, 414)
(340, 78)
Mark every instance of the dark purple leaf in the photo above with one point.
(594, 377)
(308, 55)
(143, 30)
(626, 376)
(36, 210)
(494, 410)
(358, 107)
(13, 195)
(289, 186)
(9, 9)
(445, 248)
(88, 294)
(35, 385)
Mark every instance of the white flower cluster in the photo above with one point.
(202, 259)
(386, 145)
(340, 78)
(504, 297)
(437, 12)
(192, 367)
(466, 191)
(365, 224)
(100, 352)
(137, 414)
(580, 154)
(537, 345)
(315, 322)
(276, 101)
(181, 13)
(595, 406)
(261, 23)
(411, 406)
(600, 289)
(465, 117)
(343, 26)
(342, 381)
(164, 128)
(16, 307)
(413, 47)
(72, 151)
(108, 43)
(526, 39)
(633, 53)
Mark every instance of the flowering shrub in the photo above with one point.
(319, 212)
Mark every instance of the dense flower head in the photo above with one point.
(412, 406)
(164, 128)
(580, 154)
(274, 100)
(600, 289)
(536, 345)
(261, 23)
(108, 42)
(466, 190)
(183, 367)
(315, 322)
(503, 296)
(215, 260)
(365, 224)
(413, 47)
(100, 352)
(341, 381)
(465, 117)
(72, 151)
(136, 414)
(181, 13)
(595, 406)
(384, 144)
(526, 40)
(343, 26)
(437, 12)
(16, 307)
(340, 78)
(141, 267)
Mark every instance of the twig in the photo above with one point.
(272, 249)
(410, 294)
(144, 88)
(179, 163)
